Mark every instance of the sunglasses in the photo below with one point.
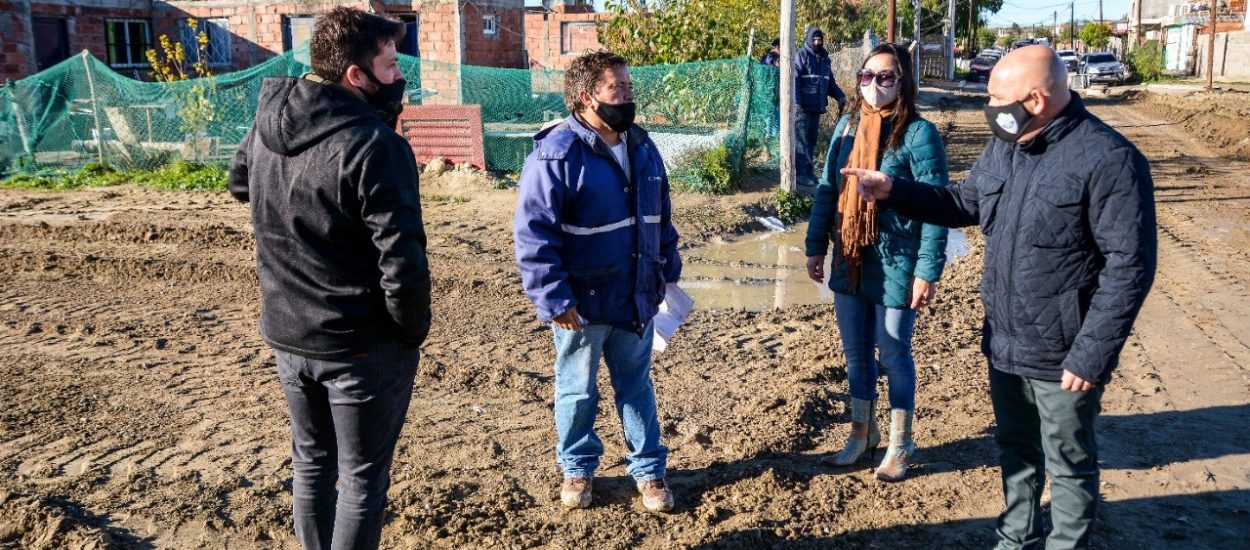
(886, 78)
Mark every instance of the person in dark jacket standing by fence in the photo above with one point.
(1067, 208)
(340, 252)
(772, 58)
(596, 246)
(813, 86)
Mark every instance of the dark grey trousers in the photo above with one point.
(1043, 429)
(346, 415)
(806, 133)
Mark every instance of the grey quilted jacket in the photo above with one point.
(1070, 252)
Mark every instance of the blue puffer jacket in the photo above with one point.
(586, 235)
(905, 248)
(813, 78)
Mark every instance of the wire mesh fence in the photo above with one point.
(80, 112)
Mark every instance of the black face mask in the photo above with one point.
(387, 98)
(618, 116)
(1008, 121)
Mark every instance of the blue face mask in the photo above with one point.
(1008, 121)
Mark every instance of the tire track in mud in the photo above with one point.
(151, 328)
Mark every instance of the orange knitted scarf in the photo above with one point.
(859, 217)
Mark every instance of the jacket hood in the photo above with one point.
(294, 114)
(813, 33)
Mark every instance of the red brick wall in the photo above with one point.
(506, 47)
(543, 40)
(257, 33)
(14, 57)
(85, 26)
(440, 53)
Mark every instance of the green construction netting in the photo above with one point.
(80, 111)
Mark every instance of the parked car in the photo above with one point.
(980, 68)
(1069, 58)
(992, 52)
(1023, 43)
(1101, 67)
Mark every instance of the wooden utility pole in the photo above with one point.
(1211, 47)
(1141, 38)
(889, 28)
(918, 44)
(950, 40)
(787, 96)
(1072, 24)
(971, 31)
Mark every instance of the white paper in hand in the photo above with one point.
(673, 312)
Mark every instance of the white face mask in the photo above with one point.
(877, 96)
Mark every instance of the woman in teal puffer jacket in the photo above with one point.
(885, 266)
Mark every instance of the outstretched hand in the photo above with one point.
(873, 185)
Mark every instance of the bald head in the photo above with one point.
(1036, 76)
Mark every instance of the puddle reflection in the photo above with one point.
(764, 271)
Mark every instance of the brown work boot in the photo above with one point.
(575, 492)
(656, 496)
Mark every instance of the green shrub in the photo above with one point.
(1146, 62)
(179, 175)
(792, 206)
(706, 171)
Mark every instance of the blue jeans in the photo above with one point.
(346, 415)
(628, 356)
(806, 132)
(866, 328)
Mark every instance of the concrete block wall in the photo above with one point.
(1232, 56)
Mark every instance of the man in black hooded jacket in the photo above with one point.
(340, 252)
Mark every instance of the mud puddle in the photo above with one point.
(764, 271)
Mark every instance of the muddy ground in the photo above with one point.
(141, 409)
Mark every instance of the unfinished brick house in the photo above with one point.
(36, 34)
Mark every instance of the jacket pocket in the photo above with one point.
(1069, 317)
(1056, 216)
(591, 288)
(990, 191)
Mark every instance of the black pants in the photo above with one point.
(1044, 429)
(806, 132)
(346, 415)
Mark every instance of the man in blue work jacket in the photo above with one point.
(595, 244)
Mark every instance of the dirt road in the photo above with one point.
(141, 409)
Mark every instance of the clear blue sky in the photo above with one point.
(1029, 12)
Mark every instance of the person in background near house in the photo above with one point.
(340, 253)
(886, 265)
(1067, 208)
(772, 58)
(813, 86)
(596, 247)
(773, 55)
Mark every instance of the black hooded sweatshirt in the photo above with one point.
(336, 212)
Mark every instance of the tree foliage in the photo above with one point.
(1095, 36)
(650, 32)
(172, 64)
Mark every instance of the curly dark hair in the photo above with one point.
(344, 36)
(905, 107)
(585, 74)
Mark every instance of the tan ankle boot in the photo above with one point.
(898, 456)
(865, 436)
